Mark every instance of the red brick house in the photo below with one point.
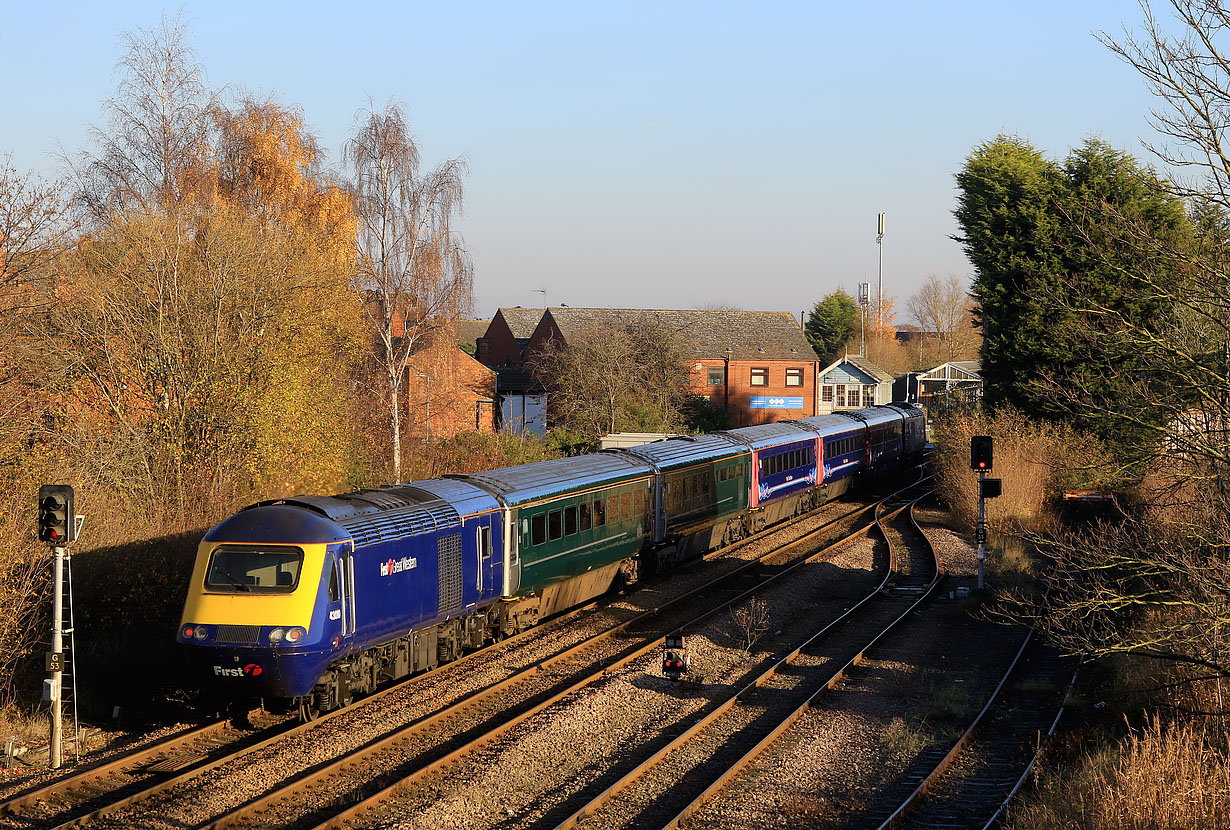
(447, 392)
(504, 342)
(758, 365)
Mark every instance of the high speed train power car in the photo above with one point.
(308, 601)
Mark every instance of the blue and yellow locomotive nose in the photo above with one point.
(257, 621)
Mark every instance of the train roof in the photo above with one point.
(874, 416)
(542, 479)
(767, 435)
(686, 450)
(466, 497)
(831, 424)
(283, 523)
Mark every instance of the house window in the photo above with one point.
(852, 393)
(826, 393)
(869, 396)
(841, 394)
(794, 377)
(760, 377)
(717, 376)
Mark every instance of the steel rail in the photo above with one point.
(375, 800)
(898, 816)
(197, 770)
(752, 754)
(1042, 745)
(127, 763)
(645, 766)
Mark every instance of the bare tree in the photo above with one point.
(1191, 76)
(942, 309)
(34, 229)
(412, 268)
(607, 378)
(157, 125)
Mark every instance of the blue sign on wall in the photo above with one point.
(777, 403)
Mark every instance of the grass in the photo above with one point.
(1164, 776)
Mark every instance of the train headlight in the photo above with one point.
(294, 635)
(201, 632)
(276, 635)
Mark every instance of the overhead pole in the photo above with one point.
(880, 288)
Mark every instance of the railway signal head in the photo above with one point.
(676, 661)
(55, 514)
(980, 452)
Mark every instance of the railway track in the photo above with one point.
(672, 784)
(971, 784)
(123, 780)
(114, 791)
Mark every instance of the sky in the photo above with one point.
(653, 155)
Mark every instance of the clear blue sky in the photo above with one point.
(644, 154)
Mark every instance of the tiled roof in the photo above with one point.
(863, 365)
(521, 321)
(468, 331)
(738, 335)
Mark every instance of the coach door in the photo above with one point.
(345, 573)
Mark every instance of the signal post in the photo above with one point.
(981, 457)
(56, 526)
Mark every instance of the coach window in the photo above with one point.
(570, 521)
(717, 376)
(586, 520)
(538, 529)
(638, 505)
(794, 377)
(625, 507)
(484, 541)
(555, 527)
(760, 377)
(612, 509)
(599, 512)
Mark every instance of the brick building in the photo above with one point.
(757, 365)
(510, 330)
(447, 392)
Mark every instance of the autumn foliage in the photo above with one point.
(182, 332)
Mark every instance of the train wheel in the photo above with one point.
(308, 710)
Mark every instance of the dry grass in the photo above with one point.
(1161, 777)
(1035, 461)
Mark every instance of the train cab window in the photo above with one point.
(335, 592)
(538, 529)
(555, 526)
(484, 542)
(599, 512)
(570, 521)
(255, 569)
(586, 517)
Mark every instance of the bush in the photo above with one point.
(1035, 460)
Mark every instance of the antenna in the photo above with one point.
(543, 292)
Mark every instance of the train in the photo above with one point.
(310, 601)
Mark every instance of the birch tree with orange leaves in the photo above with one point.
(206, 324)
(413, 271)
